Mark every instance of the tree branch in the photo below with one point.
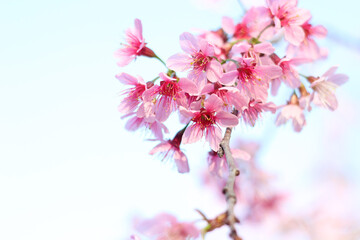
(229, 188)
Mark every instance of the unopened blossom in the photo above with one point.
(287, 15)
(135, 46)
(166, 227)
(324, 88)
(133, 96)
(197, 58)
(251, 78)
(169, 95)
(207, 121)
(308, 48)
(171, 149)
(292, 111)
(253, 110)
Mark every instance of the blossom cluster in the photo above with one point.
(224, 77)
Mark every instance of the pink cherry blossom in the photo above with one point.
(133, 96)
(286, 15)
(135, 46)
(166, 227)
(309, 48)
(198, 59)
(135, 122)
(294, 112)
(169, 95)
(252, 79)
(206, 121)
(325, 86)
(253, 110)
(171, 149)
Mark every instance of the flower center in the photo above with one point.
(204, 119)
(169, 88)
(200, 61)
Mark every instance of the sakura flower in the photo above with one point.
(252, 79)
(133, 95)
(286, 15)
(289, 74)
(206, 121)
(308, 47)
(135, 122)
(219, 167)
(294, 112)
(135, 46)
(197, 58)
(255, 19)
(325, 86)
(166, 227)
(169, 95)
(253, 110)
(171, 149)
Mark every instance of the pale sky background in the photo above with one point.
(69, 170)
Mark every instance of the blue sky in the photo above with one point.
(69, 170)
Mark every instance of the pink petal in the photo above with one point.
(138, 29)
(208, 88)
(240, 47)
(192, 134)
(179, 62)
(127, 79)
(294, 34)
(264, 47)
(338, 79)
(206, 48)
(188, 86)
(214, 137)
(240, 154)
(275, 84)
(229, 78)
(214, 71)
(189, 43)
(213, 103)
(271, 71)
(161, 147)
(181, 162)
(185, 112)
(319, 31)
(228, 25)
(226, 119)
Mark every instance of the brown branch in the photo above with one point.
(229, 188)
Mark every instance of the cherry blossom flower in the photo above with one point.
(286, 15)
(198, 59)
(171, 149)
(168, 95)
(135, 46)
(206, 121)
(166, 227)
(308, 48)
(325, 86)
(253, 110)
(136, 122)
(133, 95)
(294, 112)
(252, 79)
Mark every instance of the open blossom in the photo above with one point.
(197, 58)
(169, 95)
(325, 86)
(133, 96)
(171, 149)
(253, 110)
(136, 122)
(294, 112)
(135, 46)
(286, 15)
(166, 227)
(252, 79)
(308, 48)
(206, 121)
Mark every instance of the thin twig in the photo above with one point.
(229, 188)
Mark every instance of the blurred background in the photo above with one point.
(69, 169)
